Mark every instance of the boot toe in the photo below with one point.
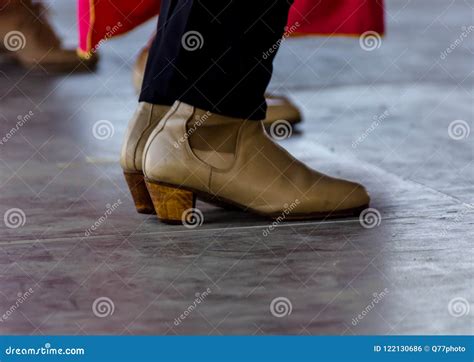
(339, 195)
(333, 196)
(353, 196)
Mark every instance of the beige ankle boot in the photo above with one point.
(27, 36)
(279, 107)
(139, 69)
(144, 121)
(193, 153)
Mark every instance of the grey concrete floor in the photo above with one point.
(412, 273)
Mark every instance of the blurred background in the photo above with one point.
(395, 115)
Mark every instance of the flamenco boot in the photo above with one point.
(146, 119)
(230, 161)
(27, 37)
(279, 107)
(139, 68)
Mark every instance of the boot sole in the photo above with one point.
(172, 202)
(59, 68)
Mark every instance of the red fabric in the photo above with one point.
(337, 17)
(103, 19)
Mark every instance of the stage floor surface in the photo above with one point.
(412, 273)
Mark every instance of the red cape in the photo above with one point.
(100, 20)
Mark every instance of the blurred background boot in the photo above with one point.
(279, 107)
(27, 36)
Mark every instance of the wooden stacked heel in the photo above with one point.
(141, 197)
(170, 202)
